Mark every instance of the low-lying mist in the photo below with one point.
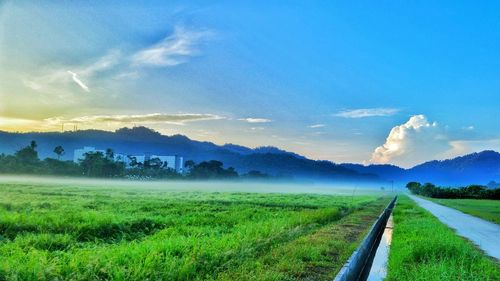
(258, 186)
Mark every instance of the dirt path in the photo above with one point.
(486, 235)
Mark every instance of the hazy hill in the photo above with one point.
(479, 167)
(385, 171)
(141, 140)
(476, 167)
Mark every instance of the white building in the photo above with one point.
(172, 162)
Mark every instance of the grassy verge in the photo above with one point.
(482, 208)
(316, 256)
(425, 249)
(111, 233)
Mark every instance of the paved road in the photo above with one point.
(486, 235)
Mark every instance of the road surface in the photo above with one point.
(486, 235)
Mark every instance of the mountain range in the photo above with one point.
(478, 168)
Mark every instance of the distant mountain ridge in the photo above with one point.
(473, 168)
(479, 167)
(139, 140)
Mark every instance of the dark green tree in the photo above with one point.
(189, 164)
(59, 151)
(96, 164)
(211, 170)
(110, 154)
(28, 155)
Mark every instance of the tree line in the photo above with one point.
(104, 165)
(468, 192)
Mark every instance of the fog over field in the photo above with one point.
(345, 188)
(73, 229)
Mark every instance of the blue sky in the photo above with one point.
(379, 82)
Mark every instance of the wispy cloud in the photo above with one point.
(314, 126)
(176, 119)
(255, 120)
(460, 147)
(257, 128)
(366, 112)
(54, 77)
(78, 81)
(111, 59)
(173, 50)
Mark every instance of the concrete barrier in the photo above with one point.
(361, 258)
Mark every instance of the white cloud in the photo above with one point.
(32, 85)
(413, 142)
(255, 120)
(419, 140)
(366, 112)
(316, 126)
(461, 147)
(154, 118)
(54, 77)
(10, 122)
(106, 62)
(172, 50)
(78, 81)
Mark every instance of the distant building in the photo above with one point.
(171, 162)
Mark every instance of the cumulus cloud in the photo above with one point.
(418, 140)
(172, 50)
(415, 141)
(176, 119)
(366, 112)
(255, 120)
(316, 126)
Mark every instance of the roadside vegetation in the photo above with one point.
(425, 249)
(485, 209)
(54, 232)
(468, 192)
(103, 165)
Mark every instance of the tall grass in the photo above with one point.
(71, 232)
(424, 249)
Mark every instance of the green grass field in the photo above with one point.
(485, 209)
(90, 232)
(425, 249)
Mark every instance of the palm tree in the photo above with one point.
(59, 150)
